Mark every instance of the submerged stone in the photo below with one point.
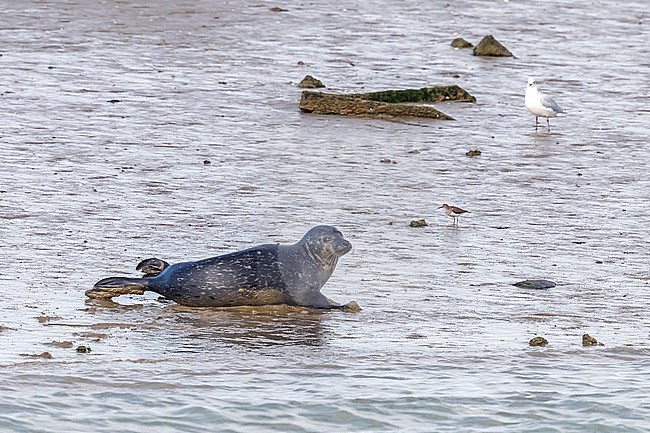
(461, 43)
(535, 284)
(62, 344)
(44, 355)
(538, 342)
(310, 82)
(352, 306)
(491, 47)
(472, 153)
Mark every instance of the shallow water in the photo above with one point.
(89, 187)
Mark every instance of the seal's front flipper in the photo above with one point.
(116, 286)
(351, 306)
(152, 267)
(324, 302)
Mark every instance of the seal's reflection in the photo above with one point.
(264, 326)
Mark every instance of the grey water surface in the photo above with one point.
(133, 129)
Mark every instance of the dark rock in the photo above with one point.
(388, 161)
(473, 153)
(278, 9)
(535, 284)
(418, 223)
(491, 47)
(588, 340)
(83, 349)
(461, 43)
(538, 342)
(310, 82)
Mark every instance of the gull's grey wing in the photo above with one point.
(548, 102)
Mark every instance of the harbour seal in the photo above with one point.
(262, 275)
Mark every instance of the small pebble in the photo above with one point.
(588, 340)
(538, 342)
(418, 223)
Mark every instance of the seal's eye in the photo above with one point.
(328, 239)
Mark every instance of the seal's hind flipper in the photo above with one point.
(116, 286)
(152, 267)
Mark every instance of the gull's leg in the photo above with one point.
(548, 124)
(536, 122)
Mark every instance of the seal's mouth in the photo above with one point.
(343, 247)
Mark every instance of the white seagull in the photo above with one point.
(540, 105)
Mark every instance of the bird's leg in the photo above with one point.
(548, 124)
(536, 122)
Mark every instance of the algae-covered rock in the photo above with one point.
(535, 284)
(346, 105)
(418, 223)
(461, 43)
(491, 47)
(310, 82)
(386, 104)
(423, 95)
(473, 153)
(538, 342)
(588, 340)
(84, 349)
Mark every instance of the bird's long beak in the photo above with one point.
(440, 206)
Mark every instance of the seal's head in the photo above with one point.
(325, 244)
